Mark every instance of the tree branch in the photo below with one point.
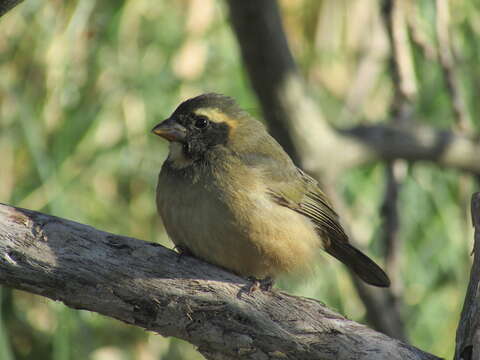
(401, 109)
(277, 67)
(468, 332)
(449, 68)
(297, 122)
(415, 143)
(401, 63)
(144, 284)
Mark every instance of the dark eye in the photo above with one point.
(201, 122)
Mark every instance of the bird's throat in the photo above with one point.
(177, 157)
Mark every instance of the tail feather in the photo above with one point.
(359, 263)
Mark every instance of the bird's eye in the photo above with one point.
(201, 122)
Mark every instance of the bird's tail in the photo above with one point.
(359, 263)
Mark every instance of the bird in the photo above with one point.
(229, 194)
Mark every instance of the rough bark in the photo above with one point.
(468, 332)
(145, 284)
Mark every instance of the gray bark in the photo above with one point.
(468, 332)
(145, 284)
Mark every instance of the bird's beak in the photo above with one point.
(170, 130)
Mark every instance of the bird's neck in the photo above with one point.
(217, 162)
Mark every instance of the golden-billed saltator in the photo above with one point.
(229, 194)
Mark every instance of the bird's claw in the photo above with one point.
(182, 251)
(265, 284)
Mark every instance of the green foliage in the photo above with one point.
(84, 81)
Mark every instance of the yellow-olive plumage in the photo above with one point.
(229, 194)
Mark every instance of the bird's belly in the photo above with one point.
(259, 239)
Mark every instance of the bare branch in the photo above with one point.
(277, 67)
(297, 122)
(391, 220)
(468, 332)
(383, 310)
(448, 66)
(145, 285)
(418, 37)
(391, 317)
(401, 63)
(401, 111)
(415, 143)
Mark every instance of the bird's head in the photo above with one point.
(204, 123)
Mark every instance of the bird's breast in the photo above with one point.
(234, 223)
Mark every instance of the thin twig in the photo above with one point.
(401, 63)
(391, 223)
(447, 63)
(401, 109)
(418, 36)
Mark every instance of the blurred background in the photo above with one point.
(83, 82)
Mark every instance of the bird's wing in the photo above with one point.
(301, 193)
(291, 187)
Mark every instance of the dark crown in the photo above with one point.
(211, 100)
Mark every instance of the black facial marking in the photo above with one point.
(203, 134)
(200, 140)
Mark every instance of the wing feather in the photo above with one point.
(313, 204)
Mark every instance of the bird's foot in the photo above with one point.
(182, 251)
(265, 284)
(253, 286)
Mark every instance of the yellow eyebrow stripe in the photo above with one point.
(217, 116)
